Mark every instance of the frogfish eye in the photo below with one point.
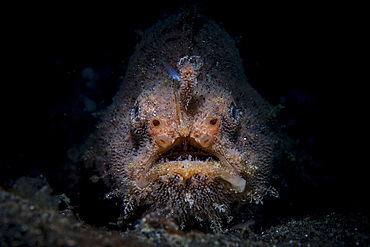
(136, 110)
(233, 111)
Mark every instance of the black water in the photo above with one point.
(290, 57)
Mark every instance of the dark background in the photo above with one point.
(293, 55)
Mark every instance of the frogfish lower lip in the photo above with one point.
(189, 168)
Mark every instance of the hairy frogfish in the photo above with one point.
(186, 136)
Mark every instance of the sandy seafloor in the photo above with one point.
(48, 197)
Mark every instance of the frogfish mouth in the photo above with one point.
(186, 136)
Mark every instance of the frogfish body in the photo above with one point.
(186, 136)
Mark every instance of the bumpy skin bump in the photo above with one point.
(187, 149)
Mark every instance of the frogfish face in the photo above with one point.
(185, 163)
(186, 142)
(186, 136)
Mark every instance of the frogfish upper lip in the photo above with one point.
(186, 159)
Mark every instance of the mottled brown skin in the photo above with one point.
(189, 146)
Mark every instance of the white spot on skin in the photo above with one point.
(221, 208)
(189, 199)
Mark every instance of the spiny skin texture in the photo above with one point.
(189, 145)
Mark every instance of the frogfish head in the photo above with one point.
(185, 132)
